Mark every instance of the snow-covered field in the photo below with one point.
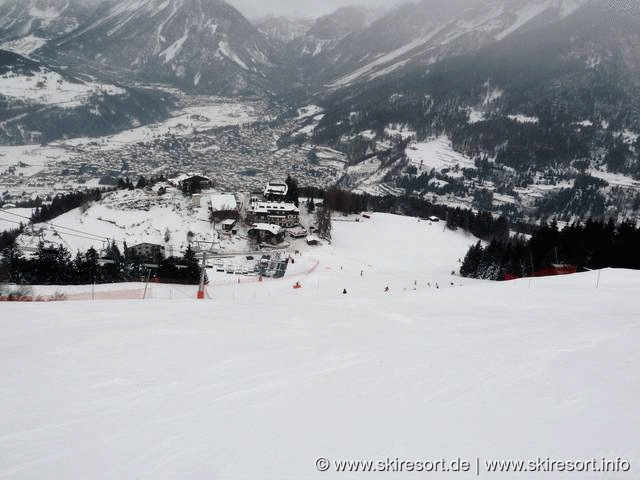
(437, 154)
(261, 380)
(29, 159)
(47, 87)
(217, 113)
(616, 179)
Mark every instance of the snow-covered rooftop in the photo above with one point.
(267, 227)
(276, 188)
(265, 207)
(223, 201)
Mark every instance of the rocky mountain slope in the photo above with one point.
(196, 45)
(26, 25)
(426, 32)
(544, 119)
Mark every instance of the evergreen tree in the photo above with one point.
(115, 268)
(292, 190)
(471, 260)
(142, 182)
(311, 206)
(90, 270)
(323, 221)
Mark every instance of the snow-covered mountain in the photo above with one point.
(34, 83)
(427, 32)
(329, 30)
(208, 46)
(500, 81)
(525, 114)
(282, 30)
(39, 103)
(26, 25)
(197, 45)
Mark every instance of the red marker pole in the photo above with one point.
(202, 273)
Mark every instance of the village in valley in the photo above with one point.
(236, 143)
(242, 233)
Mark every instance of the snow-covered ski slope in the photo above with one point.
(261, 380)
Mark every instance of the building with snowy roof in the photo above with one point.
(229, 224)
(223, 206)
(286, 215)
(191, 182)
(313, 240)
(276, 190)
(146, 252)
(266, 233)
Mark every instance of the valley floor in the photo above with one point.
(261, 380)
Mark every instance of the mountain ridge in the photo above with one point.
(197, 45)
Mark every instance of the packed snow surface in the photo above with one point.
(260, 380)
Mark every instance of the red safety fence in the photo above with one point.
(547, 272)
(136, 294)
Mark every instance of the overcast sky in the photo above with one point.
(302, 8)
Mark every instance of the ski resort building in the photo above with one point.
(146, 252)
(298, 232)
(285, 215)
(313, 240)
(266, 233)
(223, 206)
(276, 190)
(191, 182)
(554, 269)
(229, 225)
(48, 249)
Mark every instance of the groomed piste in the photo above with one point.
(260, 380)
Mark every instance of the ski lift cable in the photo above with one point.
(12, 221)
(89, 236)
(59, 233)
(98, 237)
(76, 235)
